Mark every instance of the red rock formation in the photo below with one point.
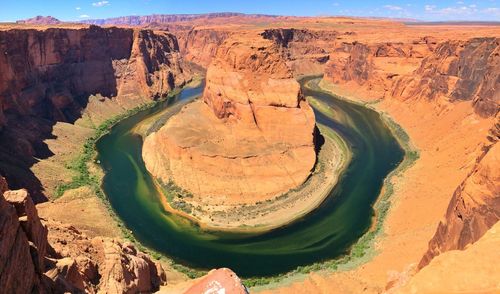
(222, 280)
(306, 51)
(254, 127)
(17, 265)
(474, 208)
(373, 66)
(200, 45)
(473, 270)
(74, 263)
(457, 71)
(48, 76)
(31, 225)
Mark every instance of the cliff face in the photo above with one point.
(253, 126)
(200, 45)
(306, 51)
(473, 270)
(59, 259)
(48, 76)
(474, 207)
(458, 71)
(374, 67)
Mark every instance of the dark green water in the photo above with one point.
(324, 234)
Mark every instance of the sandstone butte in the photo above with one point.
(439, 82)
(251, 138)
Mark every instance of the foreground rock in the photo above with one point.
(50, 257)
(473, 270)
(218, 281)
(250, 139)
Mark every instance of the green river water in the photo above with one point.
(324, 234)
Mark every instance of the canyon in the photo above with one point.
(439, 83)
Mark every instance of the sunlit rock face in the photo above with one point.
(251, 136)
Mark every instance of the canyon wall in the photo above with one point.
(457, 71)
(200, 45)
(305, 51)
(374, 66)
(253, 126)
(44, 256)
(474, 207)
(49, 75)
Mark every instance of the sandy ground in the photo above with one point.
(449, 140)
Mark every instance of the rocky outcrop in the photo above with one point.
(374, 67)
(222, 280)
(458, 71)
(306, 51)
(200, 45)
(473, 270)
(20, 263)
(99, 265)
(253, 126)
(474, 207)
(74, 263)
(48, 76)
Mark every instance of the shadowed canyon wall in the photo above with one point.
(48, 76)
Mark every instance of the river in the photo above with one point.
(326, 233)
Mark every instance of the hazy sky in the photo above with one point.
(11, 10)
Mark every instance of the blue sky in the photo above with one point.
(430, 10)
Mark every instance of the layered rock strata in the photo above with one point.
(375, 66)
(306, 51)
(50, 257)
(251, 138)
(52, 75)
(458, 71)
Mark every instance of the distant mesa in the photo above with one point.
(41, 20)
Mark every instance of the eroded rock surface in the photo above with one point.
(458, 71)
(252, 136)
(50, 257)
(473, 270)
(50, 76)
(474, 207)
(221, 280)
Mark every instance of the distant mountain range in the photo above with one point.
(170, 18)
(42, 20)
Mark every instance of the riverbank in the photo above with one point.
(333, 158)
(79, 200)
(419, 196)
